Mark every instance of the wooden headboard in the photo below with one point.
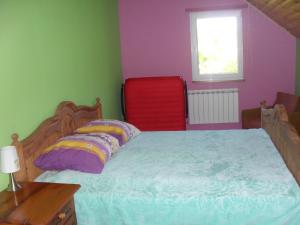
(285, 137)
(66, 119)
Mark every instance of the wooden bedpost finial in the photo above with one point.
(98, 105)
(15, 139)
(98, 101)
(21, 175)
(263, 104)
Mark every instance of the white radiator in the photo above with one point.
(213, 106)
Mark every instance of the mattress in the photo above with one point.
(232, 177)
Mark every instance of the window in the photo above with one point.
(217, 45)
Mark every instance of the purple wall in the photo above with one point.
(155, 40)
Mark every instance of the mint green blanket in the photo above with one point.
(233, 177)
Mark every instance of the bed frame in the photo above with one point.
(69, 117)
(66, 119)
(284, 136)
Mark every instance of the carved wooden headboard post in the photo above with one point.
(66, 119)
(22, 174)
(99, 108)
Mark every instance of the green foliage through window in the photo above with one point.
(217, 45)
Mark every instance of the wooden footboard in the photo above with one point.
(284, 136)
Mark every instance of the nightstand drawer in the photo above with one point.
(66, 215)
(39, 204)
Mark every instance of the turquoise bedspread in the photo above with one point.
(233, 177)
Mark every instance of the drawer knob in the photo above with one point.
(62, 216)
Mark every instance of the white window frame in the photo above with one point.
(194, 45)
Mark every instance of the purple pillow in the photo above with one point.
(121, 130)
(82, 152)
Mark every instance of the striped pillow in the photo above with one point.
(82, 152)
(121, 130)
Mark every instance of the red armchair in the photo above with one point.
(251, 118)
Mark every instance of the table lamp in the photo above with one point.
(9, 163)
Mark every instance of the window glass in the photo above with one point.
(216, 39)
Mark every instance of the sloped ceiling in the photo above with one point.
(284, 12)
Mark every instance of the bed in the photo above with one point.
(234, 177)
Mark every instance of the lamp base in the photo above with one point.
(13, 185)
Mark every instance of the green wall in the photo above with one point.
(298, 68)
(52, 51)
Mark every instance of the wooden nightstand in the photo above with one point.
(39, 204)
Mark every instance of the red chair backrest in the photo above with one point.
(155, 103)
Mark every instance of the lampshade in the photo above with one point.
(9, 160)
